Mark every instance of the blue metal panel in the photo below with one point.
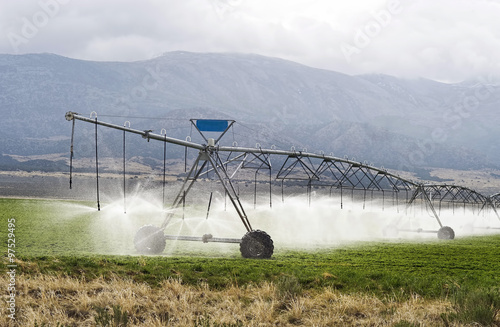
(212, 125)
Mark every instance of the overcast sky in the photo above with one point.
(447, 40)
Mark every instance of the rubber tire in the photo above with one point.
(256, 244)
(446, 233)
(149, 239)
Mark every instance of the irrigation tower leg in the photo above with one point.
(444, 232)
(421, 190)
(192, 176)
(492, 205)
(194, 173)
(221, 173)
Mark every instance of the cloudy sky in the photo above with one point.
(446, 40)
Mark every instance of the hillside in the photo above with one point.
(399, 124)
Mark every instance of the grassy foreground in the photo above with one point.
(63, 277)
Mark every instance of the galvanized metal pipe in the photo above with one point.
(145, 134)
(149, 135)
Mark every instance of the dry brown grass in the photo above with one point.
(484, 181)
(72, 301)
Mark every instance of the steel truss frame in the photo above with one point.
(299, 165)
(360, 177)
(495, 200)
(452, 194)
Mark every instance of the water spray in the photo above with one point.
(317, 170)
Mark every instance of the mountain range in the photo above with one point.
(397, 123)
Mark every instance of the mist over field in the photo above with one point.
(293, 224)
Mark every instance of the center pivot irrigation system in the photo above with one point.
(317, 169)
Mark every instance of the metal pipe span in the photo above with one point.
(149, 135)
(145, 134)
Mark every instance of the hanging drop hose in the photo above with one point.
(211, 193)
(124, 171)
(185, 158)
(397, 201)
(383, 200)
(188, 138)
(270, 189)
(124, 178)
(97, 167)
(71, 156)
(209, 203)
(186, 148)
(164, 166)
(282, 191)
(341, 197)
(183, 203)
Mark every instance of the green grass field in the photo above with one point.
(72, 238)
(63, 238)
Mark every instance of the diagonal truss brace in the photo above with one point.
(297, 160)
(357, 176)
(247, 160)
(210, 157)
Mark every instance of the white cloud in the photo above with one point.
(445, 40)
